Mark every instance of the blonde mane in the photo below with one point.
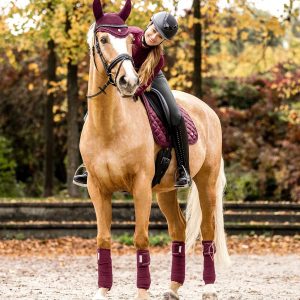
(90, 36)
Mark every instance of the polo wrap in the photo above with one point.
(178, 262)
(105, 277)
(209, 274)
(143, 272)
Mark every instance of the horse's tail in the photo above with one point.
(194, 218)
(222, 255)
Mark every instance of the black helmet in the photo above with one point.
(165, 24)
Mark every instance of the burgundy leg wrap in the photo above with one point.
(143, 272)
(105, 277)
(178, 262)
(209, 249)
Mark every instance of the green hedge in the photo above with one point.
(9, 187)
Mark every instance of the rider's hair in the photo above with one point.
(147, 69)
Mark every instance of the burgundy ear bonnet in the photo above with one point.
(111, 22)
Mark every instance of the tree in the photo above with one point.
(68, 42)
(49, 123)
(197, 76)
(34, 35)
(72, 121)
(73, 51)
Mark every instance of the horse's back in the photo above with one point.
(194, 105)
(209, 145)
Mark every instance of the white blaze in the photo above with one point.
(121, 48)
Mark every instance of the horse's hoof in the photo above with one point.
(143, 296)
(209, 296)
(209, 292)
(170, 296)
(100, 295)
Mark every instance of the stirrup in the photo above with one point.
(187, 175)
(82, 166)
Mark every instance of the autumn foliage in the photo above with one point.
(250, 76)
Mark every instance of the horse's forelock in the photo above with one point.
(90, 36)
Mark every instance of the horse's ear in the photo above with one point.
(125, 12)
(97, 8)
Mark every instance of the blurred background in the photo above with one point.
(241, 57)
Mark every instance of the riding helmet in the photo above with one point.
(165, 24)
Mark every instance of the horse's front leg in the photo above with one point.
(103, 210)
(142, 195)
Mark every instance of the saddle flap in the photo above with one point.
(159, 105)
(159, 118)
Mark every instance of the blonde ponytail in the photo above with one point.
(147, 69)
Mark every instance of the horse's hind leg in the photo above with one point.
(103, 210)
(176, 225)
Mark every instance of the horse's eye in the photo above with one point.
(104, 40)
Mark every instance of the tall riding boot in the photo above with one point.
(181, 146)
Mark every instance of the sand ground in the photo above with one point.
(259, 277)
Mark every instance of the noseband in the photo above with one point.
(108, 67)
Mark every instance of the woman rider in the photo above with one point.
(147, 54)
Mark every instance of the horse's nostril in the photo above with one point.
(122, 80)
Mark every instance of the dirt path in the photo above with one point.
(74, 277)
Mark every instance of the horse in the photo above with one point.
(119, 153)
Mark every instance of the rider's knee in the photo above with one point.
(175, 115)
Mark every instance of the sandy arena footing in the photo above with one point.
(75, 277)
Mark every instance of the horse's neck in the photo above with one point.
(105, 111)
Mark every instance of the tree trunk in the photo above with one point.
(73, 134)
(48, 124)
(197, 77)
(72, 125)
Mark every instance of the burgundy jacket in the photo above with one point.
(139, 55)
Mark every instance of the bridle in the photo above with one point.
(107, 67)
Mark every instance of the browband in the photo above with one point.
(109, 25)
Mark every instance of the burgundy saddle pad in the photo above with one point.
(159, 130)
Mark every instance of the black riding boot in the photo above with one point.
(181, 146)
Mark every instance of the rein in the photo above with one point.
(107, 67)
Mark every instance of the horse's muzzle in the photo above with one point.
(127, 87)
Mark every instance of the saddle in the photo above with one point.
(159, 118)
(160, 123)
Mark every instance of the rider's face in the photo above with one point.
(152, 36)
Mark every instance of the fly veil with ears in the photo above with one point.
(114, 24)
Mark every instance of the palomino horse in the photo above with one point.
(119, 152)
